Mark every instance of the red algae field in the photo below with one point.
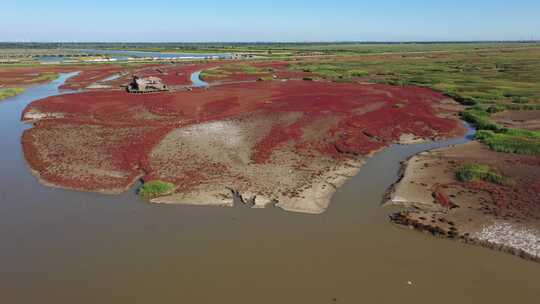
(27, 75)
(286, 142)
(100, 77)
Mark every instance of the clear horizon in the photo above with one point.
(285, 42)
(279, 21)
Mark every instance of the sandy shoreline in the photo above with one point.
(495, 216)
(291, 180)
(313, 199)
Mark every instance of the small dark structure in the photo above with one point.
(146, 85)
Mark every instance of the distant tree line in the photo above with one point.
(217, 45)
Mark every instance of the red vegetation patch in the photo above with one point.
(89, 157)
(23, 76)
(331, 119)
(177, 74)
(89, 75)
(440, 197)
(171, 74)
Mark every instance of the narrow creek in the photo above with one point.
(62, 246)
(196, 80)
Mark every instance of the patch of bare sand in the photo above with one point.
(219, 156)
(501, 217)
(410, 139)
(36, 115)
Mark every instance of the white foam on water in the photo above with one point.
(511, 235)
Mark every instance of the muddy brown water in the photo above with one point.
(60, 246)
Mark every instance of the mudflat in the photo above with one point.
(501, 216)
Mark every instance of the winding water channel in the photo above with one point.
(60, 246)
(196, 80)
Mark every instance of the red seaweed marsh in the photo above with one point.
(83, 246)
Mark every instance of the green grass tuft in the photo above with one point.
(249, 69)
(475, 172)
(46, 77)
(213, 73)
(9, 92)
(155, 188)
(479, 118)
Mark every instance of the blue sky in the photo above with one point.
(277, 20)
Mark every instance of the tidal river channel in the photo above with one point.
(60, 246)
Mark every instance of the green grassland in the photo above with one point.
(499, 138)
(228, 69)
(343, 48)
(511, 141)
(9, 92)
(486, 76)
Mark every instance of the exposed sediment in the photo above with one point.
(286, 143)
(504, 217)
